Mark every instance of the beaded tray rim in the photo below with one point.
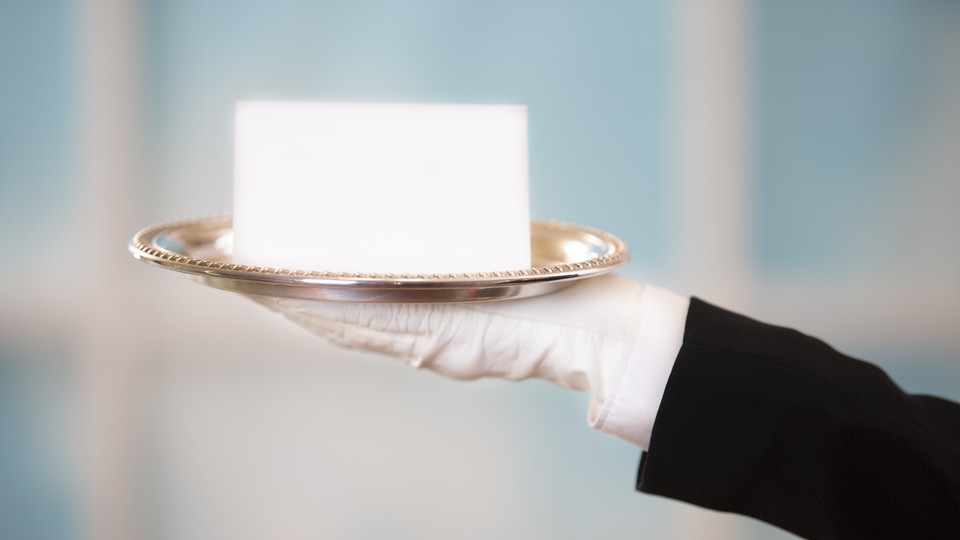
(142, 247)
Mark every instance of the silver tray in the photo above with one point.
(561, 255)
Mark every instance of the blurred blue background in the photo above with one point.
(796, 161)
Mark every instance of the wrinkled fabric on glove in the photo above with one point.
(608, 335)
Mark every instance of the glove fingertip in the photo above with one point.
(414, 361)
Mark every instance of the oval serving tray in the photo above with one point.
(561, 253)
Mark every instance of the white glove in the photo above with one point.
(609, 335)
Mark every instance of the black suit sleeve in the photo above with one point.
(770, 423)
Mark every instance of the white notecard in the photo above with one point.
(381, 188)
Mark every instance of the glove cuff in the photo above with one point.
(626, 405)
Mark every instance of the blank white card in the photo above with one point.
(381, 188)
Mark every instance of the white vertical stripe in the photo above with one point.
(109, 153)
(711, 93)
(711, 188)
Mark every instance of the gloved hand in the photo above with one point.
(596, 335)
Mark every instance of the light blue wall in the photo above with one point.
(38, 500)
(849, 94)
(37, 111)
(38, 495)
(856, 181)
